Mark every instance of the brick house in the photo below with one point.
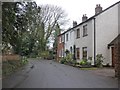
(60, 47)
(115, 44)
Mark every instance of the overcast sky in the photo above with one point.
(76, 8)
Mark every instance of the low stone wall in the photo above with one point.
(10, 57)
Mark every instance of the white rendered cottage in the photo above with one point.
(93, 35)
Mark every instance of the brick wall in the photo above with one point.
(117, 58)
(59, 47)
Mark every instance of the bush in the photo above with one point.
(99, 60)
(74, 62)
(83, 62)
(63, 60)
(69, 57)
(45, 54)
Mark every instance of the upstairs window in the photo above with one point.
(62, 38)
(66, 37)
(84, 49)
(85, 33)
(78, 33)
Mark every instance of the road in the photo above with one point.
(50, 74)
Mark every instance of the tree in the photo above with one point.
(27, 27)
(52, 16)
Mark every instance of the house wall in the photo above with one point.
(106, 31)
(86, 41)
(70, 41)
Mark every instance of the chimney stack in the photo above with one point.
(84, 18)
(74, 23)
(98, 9)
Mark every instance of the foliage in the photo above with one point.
(89, 58)
(63, 60)
(8, 67)
(83, 62)
(69, 57)
(24, 60)
(68, 60)
(99, 60)
(44, 54)
(67, 51)
(27, 27)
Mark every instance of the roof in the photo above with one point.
(116, 40)
(90, 18)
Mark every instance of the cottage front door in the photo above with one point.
(113, 56)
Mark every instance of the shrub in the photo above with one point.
(83, 62)
(69, 57)
(67, 51)
(99, 60)
(45, 54)
(63, 60)
(74, 62)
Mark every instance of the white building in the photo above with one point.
(92, 35)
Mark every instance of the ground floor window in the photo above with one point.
(78, 53)
(84, 50)
(71, 50)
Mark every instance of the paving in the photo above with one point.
(50, 74)
(108, 72)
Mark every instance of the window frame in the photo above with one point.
(85, 31)
(67, 37)
(78, 33)
(62, 38)
(84, 51)
(78, 53)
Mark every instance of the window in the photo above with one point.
(85, 30)
(62, 38)
(66, 37)
(84, 52)
(78, 33)
(78, 53)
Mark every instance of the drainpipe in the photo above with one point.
(74, 47)
(94, 42)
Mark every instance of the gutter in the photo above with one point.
(94, 41)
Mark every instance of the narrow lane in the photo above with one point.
(49, 74)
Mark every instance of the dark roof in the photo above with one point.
(116, 40)
(90, 18)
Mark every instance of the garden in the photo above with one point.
(83, 63)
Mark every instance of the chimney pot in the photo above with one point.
(84, 18)
(98, 9)
(74, 23)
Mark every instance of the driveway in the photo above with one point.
(50, 74)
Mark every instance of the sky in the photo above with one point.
(76, 8)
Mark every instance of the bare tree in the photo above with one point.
(51, 16)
